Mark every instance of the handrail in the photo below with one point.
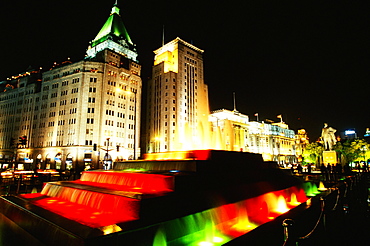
(289, 222)
(322, 204)
(337, 200)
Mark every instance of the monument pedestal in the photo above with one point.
(329, 157)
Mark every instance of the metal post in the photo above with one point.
(286, 224)
(107, 154)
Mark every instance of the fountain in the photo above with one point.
(322, 187)
(196, 198)
(310, 188)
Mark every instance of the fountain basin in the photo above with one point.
(116, 207)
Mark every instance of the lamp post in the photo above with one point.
(107, 153)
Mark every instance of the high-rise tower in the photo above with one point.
(177, 113)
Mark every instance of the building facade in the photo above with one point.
(301, 142)
(177, 112)
(76, 115)
(178, 116)
(233, 131)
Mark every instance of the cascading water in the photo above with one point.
(205, 203)
(310, 189)
(221, 224)
(90, 208)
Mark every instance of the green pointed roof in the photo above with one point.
(113, 27)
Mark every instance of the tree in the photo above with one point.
(313, 153)
(353, 150)
(12, 143)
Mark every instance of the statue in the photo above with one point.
(327, 135)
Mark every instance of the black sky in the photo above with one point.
(308, 61)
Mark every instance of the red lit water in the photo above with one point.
(98, 209)
(127, 181)
(216, 225)
(86, 207)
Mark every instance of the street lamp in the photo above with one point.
(107, 154)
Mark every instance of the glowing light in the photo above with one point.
(281, 205)
(308, 202)
(127, 181)
(322, 187)
(243, 225)
(179, 155)
(349, 132)
(218, 239)
(205, 244)
(135, 170)
(110, 229)
(310, 189)
(293, 200)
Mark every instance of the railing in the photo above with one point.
(288, 223)
(16, 183)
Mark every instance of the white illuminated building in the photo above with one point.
(76, 115)
(234, 131)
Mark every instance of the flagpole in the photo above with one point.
(234, 102)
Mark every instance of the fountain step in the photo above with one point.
(86, 215)
(111, 189)
(89, 205)
(22, 217)
(203, 162)
(118, 180)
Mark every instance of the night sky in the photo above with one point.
(308, 62)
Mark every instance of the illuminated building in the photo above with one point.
(301, 141)
(233, 131)
(77, 114)
(178, 117)
(367, 132)
(349, 134)
(177, 114)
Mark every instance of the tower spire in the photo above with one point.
(113, 34)
(115, 9)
